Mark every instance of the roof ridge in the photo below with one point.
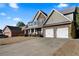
(43, 12)
(11, 26)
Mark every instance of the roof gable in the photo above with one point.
(55, 18)
(37, 15)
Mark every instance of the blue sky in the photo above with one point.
(11, 13)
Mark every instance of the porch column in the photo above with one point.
(42, 31)
(30, 31)
(34, 30)
(25, 32)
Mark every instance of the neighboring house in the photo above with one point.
(61, 24)
(1, 32)
(12, 31)
(35, 27)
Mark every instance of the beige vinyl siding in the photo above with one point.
(70, 16)
(56, 18)
(41, 19)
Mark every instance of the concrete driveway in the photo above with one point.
(33, 47)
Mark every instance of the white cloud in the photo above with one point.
(3, 14)
(14, 25)
(17, 19)
(63, 5)
(8, 17)
(14, 5)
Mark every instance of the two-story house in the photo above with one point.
(58, 24)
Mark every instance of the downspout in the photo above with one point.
(74, 22)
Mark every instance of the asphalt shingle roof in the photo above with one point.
(68, 10)
(15, 29)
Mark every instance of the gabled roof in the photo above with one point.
(64, 12)
(37, 15)
(66, 20)
(13, 28)
(69, 10)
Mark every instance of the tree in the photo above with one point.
(20, 24)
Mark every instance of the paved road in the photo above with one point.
(33, 47)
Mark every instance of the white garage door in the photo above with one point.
(49, 33)
(62, 32)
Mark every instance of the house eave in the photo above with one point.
(34, 27)
(59, 24)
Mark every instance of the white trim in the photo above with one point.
(39, 14)
(44, 14)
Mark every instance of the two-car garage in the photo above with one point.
(58, 26)
(56, 33)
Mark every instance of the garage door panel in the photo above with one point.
(62, 33)
(49, 33)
